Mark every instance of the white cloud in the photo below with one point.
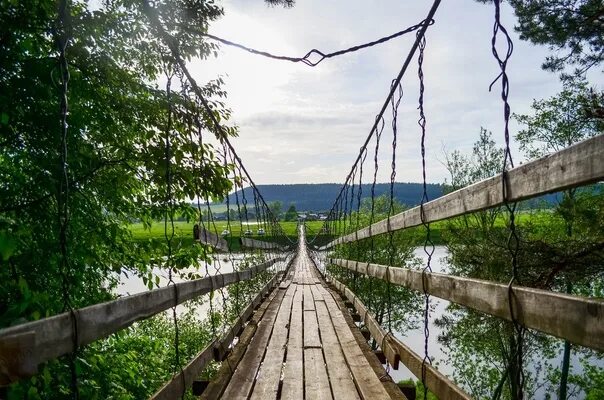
(302, 124)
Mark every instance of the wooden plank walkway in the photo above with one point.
(304, 348)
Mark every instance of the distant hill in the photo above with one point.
(320, 196)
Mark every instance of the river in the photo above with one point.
(414, 338)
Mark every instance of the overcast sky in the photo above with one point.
(300, 124)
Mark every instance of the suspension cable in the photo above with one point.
(318, 55)
(516, 341)
(393, 87)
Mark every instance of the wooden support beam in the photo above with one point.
(260, 244)
(578, 165)
(53, 336)
(575, 318)
(213, 240)
(179, 383)
(199, 387)
(436, 382)
(222, 346)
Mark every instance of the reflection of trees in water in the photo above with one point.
(478, 346)
(394, 307)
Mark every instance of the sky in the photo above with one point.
(299, 124)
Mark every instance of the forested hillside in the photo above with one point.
(319, 197)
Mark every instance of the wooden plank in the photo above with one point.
(243, 379)
(377, 367)
(269, 375)
(226, 340)
(375, 329)
(311, 330)
(578, 165)
(227, 368)
(368, 384)
(316, 382)
(576, 318)
(316, 293)
(183, 380)
(309, 303)
(436, 382)
(53, 335)
(339, 375)
(293, 377)
(180, 382)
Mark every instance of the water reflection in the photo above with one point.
(220, 264)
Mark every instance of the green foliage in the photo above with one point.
(394, 306)
(419, 389)
(479, 347)
(571, 29)
(291, 214)
(116, 169)
(559, 121)
(276, 208)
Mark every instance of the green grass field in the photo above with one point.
(184, 230)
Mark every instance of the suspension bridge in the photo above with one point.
(303, 333)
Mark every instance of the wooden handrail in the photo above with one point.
(46, 339)
(183, 380)
(260, 244)
(575, 318)
(574, 166)
(212, 239)
(395, 350)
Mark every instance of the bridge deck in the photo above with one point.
(303, 347)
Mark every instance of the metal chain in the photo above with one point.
(516, 346)
(62, 34)
(428, 243)
(378, 136)
(169, 214)
(358, 222)
(391, 248)
(206, 228)
(230, 234)
(314, 53)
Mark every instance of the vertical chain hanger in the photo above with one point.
(62, 36)
(379, 128)
(169, 231)
(395, 103)
(515, 366)
(428, 243)
(358, 209)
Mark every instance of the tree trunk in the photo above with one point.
(562, 390)
(565, 360)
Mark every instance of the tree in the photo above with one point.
(118, 120)
(276, 208)
(556, 123)
(573, 30)
(291, 214)
(559, 121)
(480, 347)
(485, 161)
